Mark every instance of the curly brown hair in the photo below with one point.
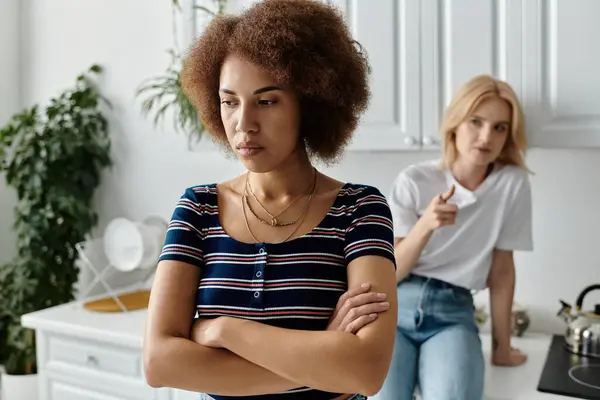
(302, 44)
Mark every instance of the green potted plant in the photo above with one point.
(53, 157)
(163, 93)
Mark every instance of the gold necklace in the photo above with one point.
(303, 215)
(273, 221)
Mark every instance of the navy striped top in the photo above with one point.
(295, 284)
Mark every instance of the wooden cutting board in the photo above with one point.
(132, 301)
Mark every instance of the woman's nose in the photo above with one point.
(247, 121)
(485, 133)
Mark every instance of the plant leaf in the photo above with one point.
(53, 157)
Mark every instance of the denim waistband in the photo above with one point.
(434, 283)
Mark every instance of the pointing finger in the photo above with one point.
(446, 196)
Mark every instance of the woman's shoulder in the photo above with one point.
(200, 189)
(346, 193)
(200, 195)
(512, 177)
(420, 176)
(355, 192)
(193, 205)
(362, 199)
(427, 170)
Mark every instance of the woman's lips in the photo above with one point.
(249, 151)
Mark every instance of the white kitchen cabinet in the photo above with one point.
(184, 395)
(560, 72)
(461, 39)
(422, 51)
(388, 30)
(545, 49)
(87, 355)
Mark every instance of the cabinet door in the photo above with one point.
(461, 39)
(389, 32)
(177, 394)
(65, 391)
(560, 72)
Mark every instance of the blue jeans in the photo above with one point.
(437, 344)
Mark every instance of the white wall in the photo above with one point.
(9, 103)
(152, 167)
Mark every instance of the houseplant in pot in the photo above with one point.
(163, 95)
(53, 157)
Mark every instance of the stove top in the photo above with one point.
(569, 374)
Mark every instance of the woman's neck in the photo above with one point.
(291, 180)
(468, 175)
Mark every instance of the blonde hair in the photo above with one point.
(468, 97)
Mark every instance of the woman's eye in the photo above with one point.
(228, 103)
(266, 102)
(501, 128)
(476, 122)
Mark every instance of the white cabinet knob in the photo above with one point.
(429, 141)
(410, 141)
(92, 361)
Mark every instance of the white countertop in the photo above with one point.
(518, 383)
(501, 383)
(125, 328)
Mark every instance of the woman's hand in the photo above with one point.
(356, 308)
(207, 332)
(508, 358)
(439, 213)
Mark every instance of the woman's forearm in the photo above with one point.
(408, 250)
(182, 364)
(332, 361)
(502, 288)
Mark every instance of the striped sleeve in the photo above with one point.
(370, 231)
(183, 241)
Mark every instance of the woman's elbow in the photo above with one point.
(375, 363)
(372, 370)
(373, 380)
(152, 372)
(369, 389)
(153, 363)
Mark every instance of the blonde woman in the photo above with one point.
(456, 224)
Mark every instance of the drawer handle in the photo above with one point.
(92, 361)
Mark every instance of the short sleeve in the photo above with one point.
(403, 205)
(370, 230)
(516, 231)
(183, 241)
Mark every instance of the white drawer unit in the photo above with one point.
(62, 385)
(68, 391)
(77, 353)
(86, 355)
(71, 367)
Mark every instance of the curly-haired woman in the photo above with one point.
(279, 283)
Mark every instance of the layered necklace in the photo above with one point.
(273, 221)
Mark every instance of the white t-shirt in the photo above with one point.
(497, 215)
